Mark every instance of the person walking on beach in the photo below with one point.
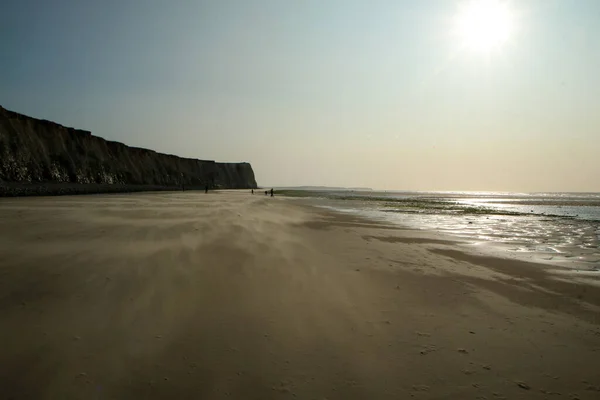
(252, 191)
(206, 189)
(271, 192)
(266, 193)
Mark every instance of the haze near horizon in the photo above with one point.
(415, 95)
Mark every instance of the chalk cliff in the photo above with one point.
(39, 157)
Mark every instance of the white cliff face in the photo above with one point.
(38, 152)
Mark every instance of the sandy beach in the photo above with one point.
(234, 296)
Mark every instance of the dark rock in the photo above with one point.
(39, 157)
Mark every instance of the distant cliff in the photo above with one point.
(39, 157)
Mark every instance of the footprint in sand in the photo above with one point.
(427, 349)
(420, 388)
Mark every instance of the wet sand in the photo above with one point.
(233, 296)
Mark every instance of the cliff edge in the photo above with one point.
(39, 157)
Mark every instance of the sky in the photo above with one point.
(381, 93)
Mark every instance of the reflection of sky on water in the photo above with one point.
(580, 208)
(535, 234)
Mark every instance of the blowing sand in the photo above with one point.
(233, 296)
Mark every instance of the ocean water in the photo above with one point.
(554, 228)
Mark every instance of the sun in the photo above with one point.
(484, 25)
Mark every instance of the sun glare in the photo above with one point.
(484, 25)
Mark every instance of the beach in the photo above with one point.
(229, 295)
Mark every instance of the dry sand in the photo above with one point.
(228, 295)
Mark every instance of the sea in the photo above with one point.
(551, 228)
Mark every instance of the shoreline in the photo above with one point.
(575, 257)
(234, 296)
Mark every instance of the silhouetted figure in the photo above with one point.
(252, 191)
(266, 193)
(271, 192)
(206, 189)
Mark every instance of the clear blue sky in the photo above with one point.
(329, 92)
